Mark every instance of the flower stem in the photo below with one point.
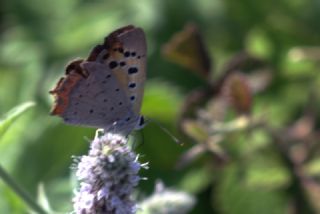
(20, 192)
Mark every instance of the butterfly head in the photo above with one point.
(125, 127)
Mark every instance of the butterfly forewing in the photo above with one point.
(125, 54)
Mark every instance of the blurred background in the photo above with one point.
(236, 81)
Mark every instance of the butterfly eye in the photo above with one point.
(141, 122)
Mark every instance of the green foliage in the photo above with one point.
(235, 196)
(12, 116)
(241, 168)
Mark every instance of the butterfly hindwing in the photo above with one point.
(97, 100)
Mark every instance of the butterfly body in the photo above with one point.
(106, 90)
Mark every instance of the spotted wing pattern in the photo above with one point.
(106, 89)
(124, 51)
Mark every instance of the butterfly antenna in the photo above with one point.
(176, 140)
(142, 136)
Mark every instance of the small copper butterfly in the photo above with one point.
(106, 89)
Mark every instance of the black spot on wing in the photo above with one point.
(132, 70)
(132, 85)
(126, 54)
(113, 64)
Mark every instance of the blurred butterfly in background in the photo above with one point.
(106, 89)
(187, 48)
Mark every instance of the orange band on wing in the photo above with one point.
(62, 90)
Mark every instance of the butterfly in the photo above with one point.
(106, 89)
(188, 49)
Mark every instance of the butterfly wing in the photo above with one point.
(95, 100)
(124, 51)
(106, 89)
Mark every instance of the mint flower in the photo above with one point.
(167, 201)
(108, 176)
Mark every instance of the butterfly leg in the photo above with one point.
(99, 132)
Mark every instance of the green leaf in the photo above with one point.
(43, 200)
(12, 115)
(234, 196)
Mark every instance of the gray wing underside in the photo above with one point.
(134, 44)
(98, 100)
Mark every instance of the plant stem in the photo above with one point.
(20, 192)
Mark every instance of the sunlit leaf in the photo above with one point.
(43, 199)
(12, 115)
